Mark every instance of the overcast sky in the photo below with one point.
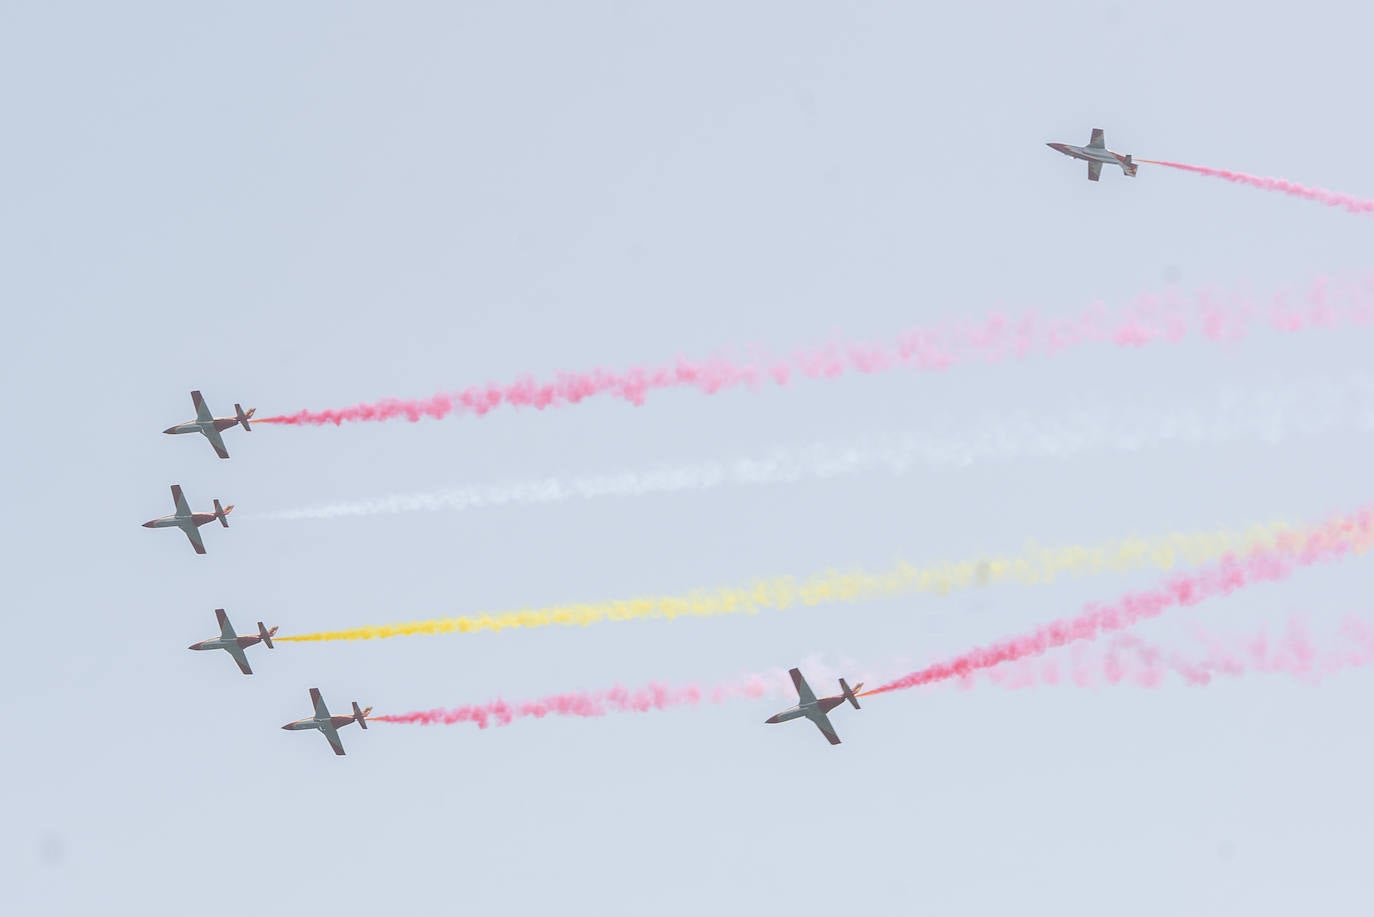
(314, 204)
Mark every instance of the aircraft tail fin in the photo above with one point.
(266, 635)
(242, 417)
(360, 716)
(222, 513)
(1130, 167)
(848, 692)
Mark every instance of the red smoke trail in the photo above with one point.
(1129, 660)
(1320, 195)
(590, 703)
(1262, 565)
(1150, 319)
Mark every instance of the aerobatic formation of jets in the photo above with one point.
(229, 640)
(809, 706)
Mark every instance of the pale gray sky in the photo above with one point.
(312, 204)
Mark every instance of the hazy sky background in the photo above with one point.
(311, 204)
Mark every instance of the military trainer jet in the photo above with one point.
(815, 709)
(1096, 153)
(233, 643)
(210, 425)
(329, 725)
(188, 521)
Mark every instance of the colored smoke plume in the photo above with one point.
(1035, 565)
(594, 703)
(1335, 539)
(1230, 414)
(1320, 195)
(1127, 660)
(1150, 319)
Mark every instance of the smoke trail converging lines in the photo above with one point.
(1128, 660)
(1035, 565)
(1292, 654)
(1320, 195)
(1150, 319)
(1232, 414)
(1335, 539)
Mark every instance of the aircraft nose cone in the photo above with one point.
(148, 525)
(170, 430)
(772, 719)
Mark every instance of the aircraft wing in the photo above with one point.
(216, 440)
(193, 533)
(226, 630)
(823, 724)
(1094, 170)
(804, 692)
(332, 735)
(321, 711)
(237, 652)
(202, 412)
(1099, 139)
(180, 501)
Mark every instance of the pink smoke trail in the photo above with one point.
(1129, 660)
(1149, 319)
(1320, 195)
(591, 703)
(1262, 565)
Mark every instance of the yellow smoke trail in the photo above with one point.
(1036, 565)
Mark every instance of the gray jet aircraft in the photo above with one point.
(188, 521)
(329, 725)
(815, 709)
(210, 425)
(233, 643)
(1096, 153)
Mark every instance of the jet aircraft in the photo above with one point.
(1096, 153)
(815, 709)
(188, 521)
(233, 643)
(211, 426)
(329, 725)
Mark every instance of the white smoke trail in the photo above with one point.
(1233, 414)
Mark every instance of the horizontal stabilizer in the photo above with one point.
(266, 635)
(360, 715)
(849, 692)
(241, 417)
(222, 514)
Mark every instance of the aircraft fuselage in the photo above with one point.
(312, 723)
(219, 643)
(180, 522)
(219, 424)
(823, 705)
(1094, 154)
(1083, 152)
